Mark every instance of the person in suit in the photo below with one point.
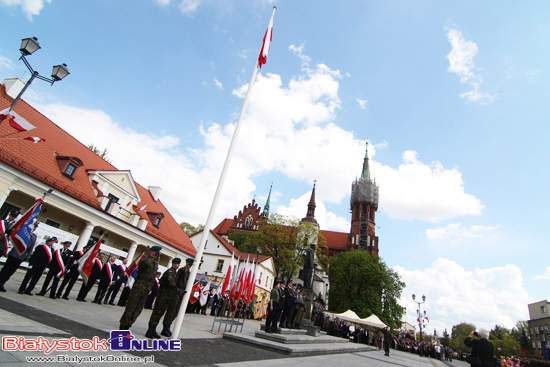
(288, 305)
(214, 305)
(151, 297)
(481, 348)
(121, 278)
(6, 230)
(94, 275)
(273, 309)
(55, 267)
(106, 277)
(14, 259)
(39, 260)
(72, 273)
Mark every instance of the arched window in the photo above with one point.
(248, 221)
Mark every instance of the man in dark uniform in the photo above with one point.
(146, 273)
(272, 309)
(121, 277)
(14, 259)
(56, 266)
(39, 260)
(387, 340)
(6, 230)
(183, 277)
(215, 303)
(167, 298)
(94, 275)
(151, 297)
(72, 273)
(106, 277)
(289, 306)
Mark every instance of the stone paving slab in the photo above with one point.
(299, 339)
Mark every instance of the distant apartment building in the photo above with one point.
(539, 326)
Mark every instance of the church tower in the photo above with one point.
(364, 203)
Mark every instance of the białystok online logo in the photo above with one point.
(120, 340)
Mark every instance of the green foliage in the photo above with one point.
(240, 239)
(498, 333)
(445, 339)
(507, 345)
(190, 229)
(520, 333)
(102, 153)
(364, 284)
(458, 334)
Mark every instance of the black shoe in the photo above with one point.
(152, 333)
(94, 301)
(40, 294)
(20, 291)
(65, 297)
(111, 303)
(28, 293)
(166, 330)
(53, 297)
(2, 289)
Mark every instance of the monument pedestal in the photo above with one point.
(306, 323)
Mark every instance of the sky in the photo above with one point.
(452, 98)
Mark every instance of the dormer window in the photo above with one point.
(155, 218)
(68, 165)
(157, 222)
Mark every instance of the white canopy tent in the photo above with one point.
(349, 315)
(373, 321)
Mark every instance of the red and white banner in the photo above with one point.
(268, 37)
(16, 121)
(86, 262)
(34, 139)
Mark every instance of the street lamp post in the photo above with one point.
(28, 47)
(419, 313)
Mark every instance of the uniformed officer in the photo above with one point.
(167, 298)
(146, 273)
(183, 277)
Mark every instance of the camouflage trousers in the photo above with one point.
(167, 303)
(134, 305)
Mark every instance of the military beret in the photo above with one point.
(176, 260)
(67, 243)
(156, 248)
(190, 260)
(289, 281)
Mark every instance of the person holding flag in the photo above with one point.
(14, 259)
(146, 273)
(106, 278)
(71, 275)
(89, 279)
(56, 269)
(39, 260)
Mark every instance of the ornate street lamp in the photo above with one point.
(28, 47)
(419, 313)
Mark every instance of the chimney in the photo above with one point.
(155, 192)
(13, 86)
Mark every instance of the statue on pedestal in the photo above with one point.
(309, 265)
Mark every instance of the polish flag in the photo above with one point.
(204, 294)
(34, 139)
(195, 293)
(268, 37)
(141, 208)
(227, 276)
(16, 121)
(133, 266)
(86, 262)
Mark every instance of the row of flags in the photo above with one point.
(19, 124)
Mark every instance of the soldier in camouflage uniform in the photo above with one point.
(146, 273)
(167, 298)
(183, 276)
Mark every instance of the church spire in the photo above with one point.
(266, 207)
(366, 171)
(310, 217)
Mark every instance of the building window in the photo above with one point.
(112, 199)
(70, 169)
(51, 223)
(536, 329)
(543, 309)
(248, 221)
(157, 222)
(540, 345)
(68, 165)
(534, 346)
(219, 266)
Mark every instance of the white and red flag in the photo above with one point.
(268, 37)
(204, 294)
(34, 139)
(22, 229)
(228, 275)
(16, 121)
(86, 262)
(133, 266)
(195, 293)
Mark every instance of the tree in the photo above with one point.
(520, 333)
(364, 284)
(445, 339)
(102, 153)
(458, 334)
(285, 239)
(190, 229)
(498, 333)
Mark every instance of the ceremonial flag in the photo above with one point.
(242, 279)
(86, 262)
(3, 238)
(204, 294)
(141, 208)
(228, 275)
(195, 293)
(22, 229)
(16, 121)
(133, 266)
(268, 37)
(59, 259)
(34, 139)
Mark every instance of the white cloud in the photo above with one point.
(30, 7)
(455, 231)
(483, 297)
(461, 62)
(362, 103)
(417, 191)
(298, 51)
(6, 63)
(218, 84)
(544, 276)
(185, 6)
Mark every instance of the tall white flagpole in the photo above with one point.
(208, 224)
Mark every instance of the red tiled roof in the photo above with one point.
(224, 226)
(39, 162)
(335, 240)
(238, 254)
